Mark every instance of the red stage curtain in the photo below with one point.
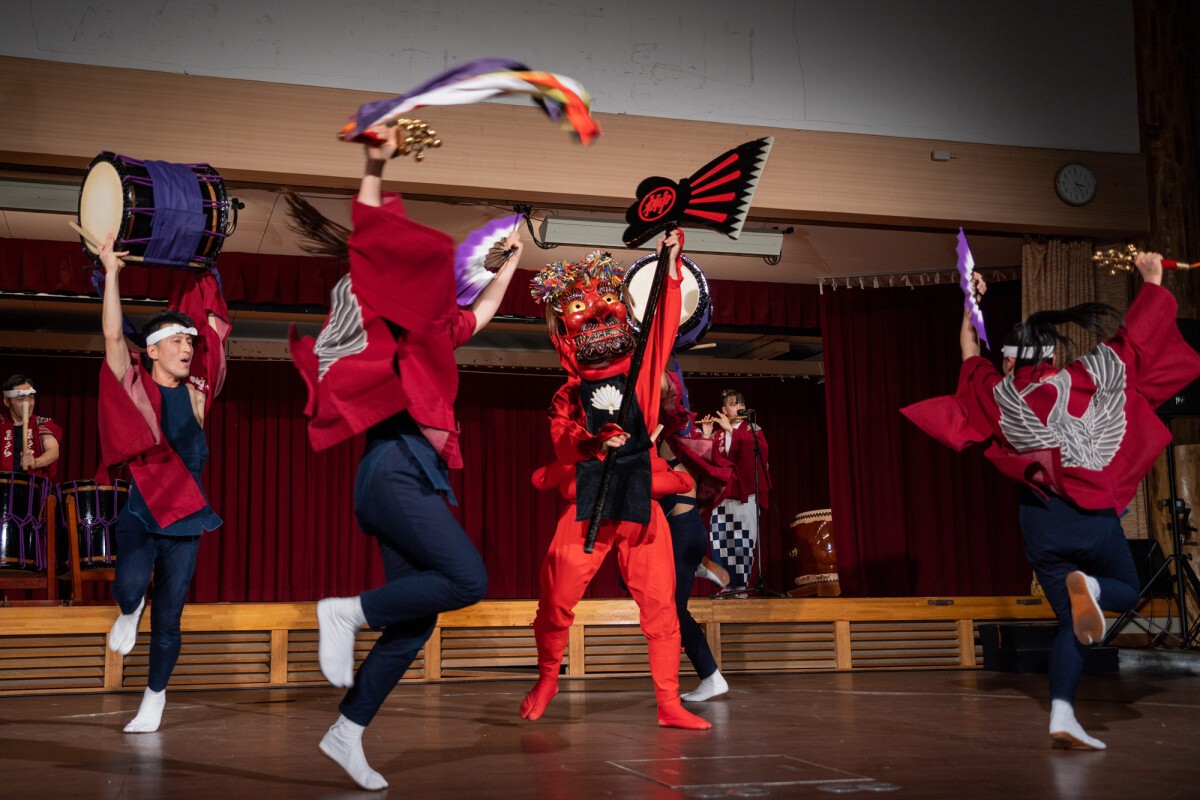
(28, 265)
(912, 518)
(289, 531)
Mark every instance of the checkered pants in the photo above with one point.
(734, 532)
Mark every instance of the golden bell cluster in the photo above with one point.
(417, 138)
(1115, 258)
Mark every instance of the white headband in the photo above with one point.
(1010, 351)
(170, 330)
(19, 392)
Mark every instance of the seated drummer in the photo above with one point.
(39, 455)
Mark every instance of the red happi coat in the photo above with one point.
(10, 446)
(1087, 433)
(738, 447)
(131, 407)
(388, 344)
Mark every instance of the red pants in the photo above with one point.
(647, 563)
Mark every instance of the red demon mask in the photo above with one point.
(589, 318)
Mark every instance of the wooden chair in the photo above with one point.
(75, 573)
(48, 580)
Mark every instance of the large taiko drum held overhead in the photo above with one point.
(695, 316)
(813, 554)
(164, 214)
(96, 510)
(23, 521)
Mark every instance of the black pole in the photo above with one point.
(1178, 535)
(760, 585)
(635, 366)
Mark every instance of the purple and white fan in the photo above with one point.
(480, 256)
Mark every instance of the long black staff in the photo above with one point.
(717, 196)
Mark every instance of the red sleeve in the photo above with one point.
(1160, 360)
(462, 327)
(658, 350)
(965, 417)
(199, 296)
(571, 440)
(402, 270)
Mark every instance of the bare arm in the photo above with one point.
(968, 340)
(370, 191)
(489, 300)
(116, 352)
(49, 454)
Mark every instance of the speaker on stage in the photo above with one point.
(1187, 402)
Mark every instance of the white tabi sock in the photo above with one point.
(123, 634)
(339, 619)
(709, 688)
(149, 715)
(343, 743)
(1066, 731)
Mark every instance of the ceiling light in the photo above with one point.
(607, 233)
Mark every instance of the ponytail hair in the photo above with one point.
(321, 235)
(1040, 330)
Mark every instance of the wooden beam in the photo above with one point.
(279, 134)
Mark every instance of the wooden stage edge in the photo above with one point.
(46, 650)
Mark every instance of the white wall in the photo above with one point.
(1054, 73)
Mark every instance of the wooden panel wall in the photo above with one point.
(62, 649)
(282, 134)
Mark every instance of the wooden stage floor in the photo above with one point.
(929, 734)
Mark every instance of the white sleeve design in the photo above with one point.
(343, 334)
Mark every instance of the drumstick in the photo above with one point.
(703, 346)
(24, 429)
(657, 430)
(91, 239)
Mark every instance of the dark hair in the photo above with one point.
(1040, 330)
(322, 236)
(161, 320)
(737, 396)
(17, 380)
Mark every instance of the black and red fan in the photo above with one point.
(716, 196)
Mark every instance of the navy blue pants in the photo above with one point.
(430, 564)
(690, 541)
(1061, 538)
(171, 560)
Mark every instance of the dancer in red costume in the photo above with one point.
(590, 330)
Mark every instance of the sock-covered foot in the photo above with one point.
(343, 744)
(1066, 732)
(534, 704)
(709, 688)
(1088, 619)
(339, 618)
(123, 634)
(149, 715)
(676, 716)
(712, 571)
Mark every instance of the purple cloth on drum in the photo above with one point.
(179, 216)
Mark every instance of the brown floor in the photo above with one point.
(919, 734)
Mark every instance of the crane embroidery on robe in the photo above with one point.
(344, 334)
(1090, 441)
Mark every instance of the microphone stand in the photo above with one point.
(760, 586)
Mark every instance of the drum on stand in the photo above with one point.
(164, 214)
(96, 510)
(23, 521)
(814, 556)
(695, 315)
